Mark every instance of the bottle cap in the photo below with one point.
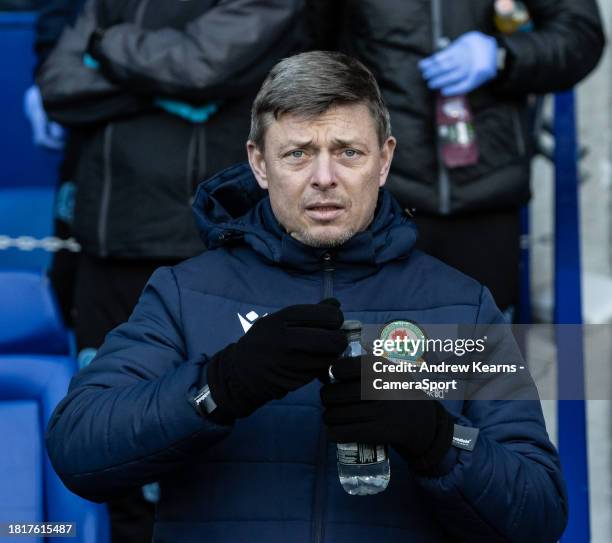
(351, 325)
(505, 7)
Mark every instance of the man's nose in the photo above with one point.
(323, 176)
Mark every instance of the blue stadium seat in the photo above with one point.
(30, 320)
(30, 388)
(21, 463)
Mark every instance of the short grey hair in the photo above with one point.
(309, 84)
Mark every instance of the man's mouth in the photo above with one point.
(324, 211)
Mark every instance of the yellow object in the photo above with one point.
(510, 15)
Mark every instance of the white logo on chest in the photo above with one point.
(247, 321)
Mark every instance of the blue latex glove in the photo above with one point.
(187, 111)
(466, 64)
(45, 133)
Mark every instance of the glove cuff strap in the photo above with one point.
(214, 405)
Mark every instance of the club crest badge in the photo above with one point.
(403, 341)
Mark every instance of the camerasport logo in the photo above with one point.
(403, 341)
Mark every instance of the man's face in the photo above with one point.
(323, 173)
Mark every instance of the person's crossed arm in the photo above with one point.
(224, 52)
(75, 95)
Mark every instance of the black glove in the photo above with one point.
(280, 353)
(420, 430)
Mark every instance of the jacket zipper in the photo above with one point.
(200, 158)
(141, 12)
(196, 160)
(328, 276)
(518, 130)
(191, 166)
(108, 174)
(443, 188)
(318, 527)
(106, 191)
(443, 179)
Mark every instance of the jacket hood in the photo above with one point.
(231, 208)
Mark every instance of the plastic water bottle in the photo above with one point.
(458, 145)
(363, 469)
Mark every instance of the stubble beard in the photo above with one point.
(323, 242)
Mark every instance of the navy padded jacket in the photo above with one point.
(272, 477)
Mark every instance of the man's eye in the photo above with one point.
(351, 153)
(296, 154)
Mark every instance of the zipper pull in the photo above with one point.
(328, 263)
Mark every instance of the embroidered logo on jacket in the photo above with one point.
(247, 321)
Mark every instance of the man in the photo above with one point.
(421, 49)
(211, 387)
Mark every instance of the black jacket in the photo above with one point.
(139, 164)
(53, 16)
(391, 36)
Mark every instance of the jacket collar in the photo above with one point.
(231, 208)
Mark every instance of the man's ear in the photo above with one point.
(386, 154)
(258, 164)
